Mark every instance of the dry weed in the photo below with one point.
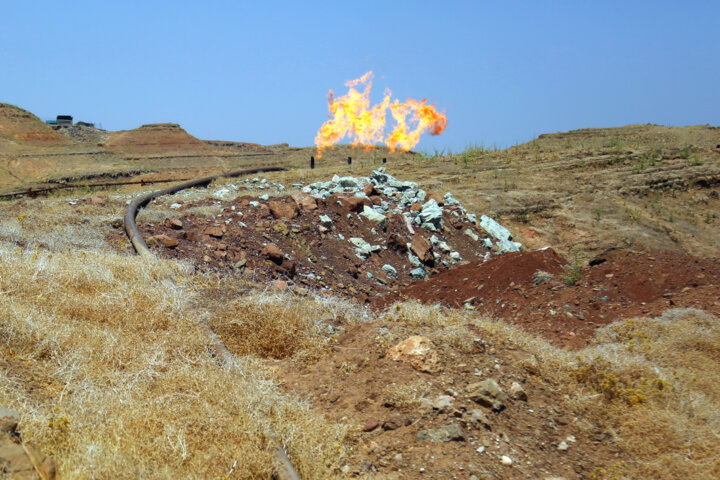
(112, 371)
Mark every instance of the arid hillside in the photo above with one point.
(375, 323)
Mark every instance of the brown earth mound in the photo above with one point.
(306, 242)
(539, 291)
(310, 242)
(20, 125)
(156, 138)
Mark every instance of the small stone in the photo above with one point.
(563, 446)
(446, 433)
(422, 249)
(214, 231)
(264, 197)
(284, 210)
(353, 204)
(305, 202)
(418, 351)
(390, 270)
(431, 214)
(97, 200)
(279, 286)
(394, 421)
(272, 252)
(373, 216)
(173, 223)
(517, 392)
(471, 234)
(478, 418)
(165, 241)
(371, 424)
(8, 420)
(505, 460)
(443, 403)
(325, 221)
(418, 273)
(489, 394)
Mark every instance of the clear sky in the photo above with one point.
(504, 72)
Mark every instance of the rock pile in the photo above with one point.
(363, 237)
(421, 209)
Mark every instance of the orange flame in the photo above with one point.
(351, 115)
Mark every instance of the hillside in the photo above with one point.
(156, 139)
(21, 126)
(370, 323)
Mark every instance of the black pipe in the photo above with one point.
(349, 160)
(138, 203)
(312, 162)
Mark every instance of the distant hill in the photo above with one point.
(18, 125)
(156, 138)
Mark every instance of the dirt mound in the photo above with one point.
(541, 292)
(316, 242)
(156, 138)
(20, 125)
(428, 425)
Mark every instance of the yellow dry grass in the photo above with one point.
(113, 374)
(651, 382)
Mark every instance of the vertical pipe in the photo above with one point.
(349, 160)
(312, 162)
(384, 160)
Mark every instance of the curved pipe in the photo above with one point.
(131, 228)
(283, 465)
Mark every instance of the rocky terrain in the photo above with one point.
(543, 311)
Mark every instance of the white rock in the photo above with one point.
(390, 270)
(505, 460)
(325, 220)
(372, 215)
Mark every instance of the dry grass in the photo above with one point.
(651, 382)
(112, 371)
(114, 378)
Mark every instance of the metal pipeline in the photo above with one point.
(283, 465)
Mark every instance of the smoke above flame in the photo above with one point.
(352, 116)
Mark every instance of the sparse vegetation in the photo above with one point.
(114, 375)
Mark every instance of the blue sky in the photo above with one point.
(504, 72)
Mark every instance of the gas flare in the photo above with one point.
(352, 116)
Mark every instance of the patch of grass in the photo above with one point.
(117, 377)
(685, 152)
(597, 215)
(632, 214)
(573, 276)
(616, 143)
(695, 159)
